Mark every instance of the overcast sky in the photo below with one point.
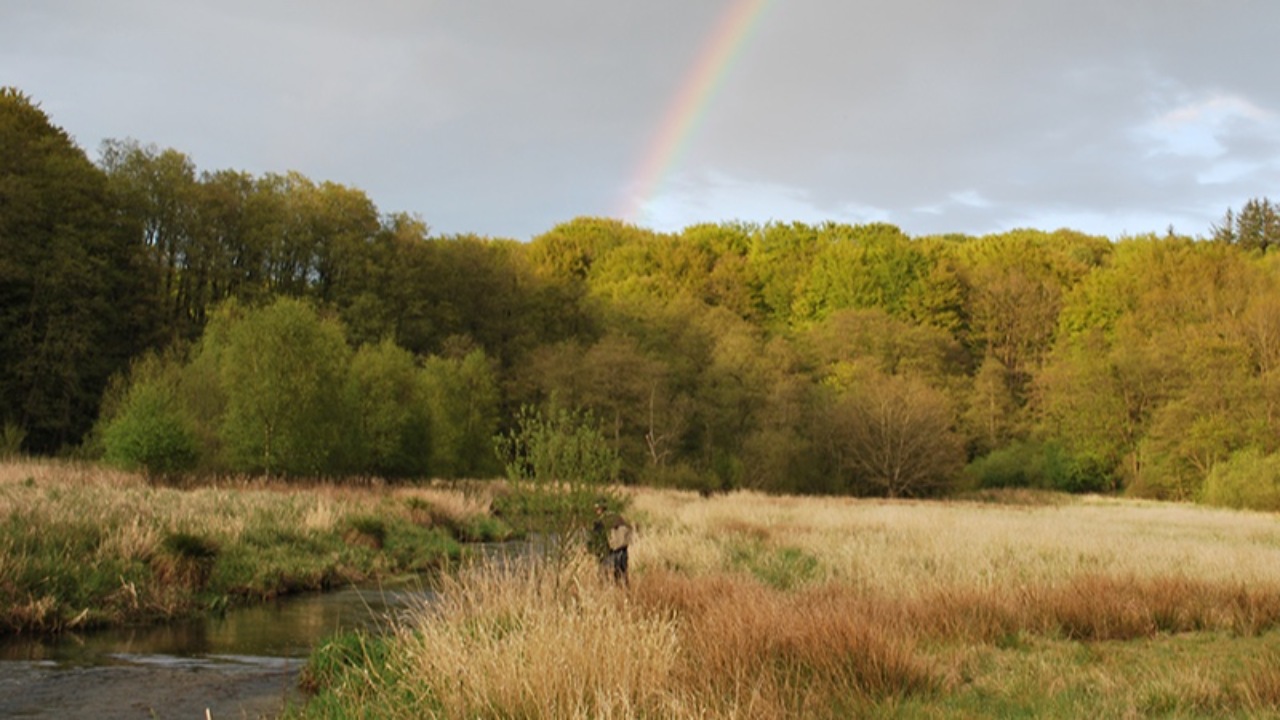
(505, 117)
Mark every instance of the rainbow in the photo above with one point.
(687, 109)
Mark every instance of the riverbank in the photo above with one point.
(83, 546)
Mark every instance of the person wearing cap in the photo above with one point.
(613, 534)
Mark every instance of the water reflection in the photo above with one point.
(286, 629)
(244, 664)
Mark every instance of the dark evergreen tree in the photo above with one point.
(1255, 227)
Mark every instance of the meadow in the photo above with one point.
(752, 606)
(740, 605)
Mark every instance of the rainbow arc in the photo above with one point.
(689, 106)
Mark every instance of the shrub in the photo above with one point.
(186, 559)
(564, 447)
(1018, 464)
(11, 438)
(558, 466)
(368, 529)
(1046, 466)
(151, 433)
(1248, 479)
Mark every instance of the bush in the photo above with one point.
(1248, 479)
(1082, 473)
(1017, 465)
(680, 477)
(11, 438)
(151, 433)
(565, 448)
(1044, 466)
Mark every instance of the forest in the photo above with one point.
(200, 322)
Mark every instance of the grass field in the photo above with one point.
(747, 606)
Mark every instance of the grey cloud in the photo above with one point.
(504, 118)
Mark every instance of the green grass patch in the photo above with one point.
(782, 568)
(354, 674)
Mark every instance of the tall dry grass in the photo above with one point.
(555, 640)
(747, 606)
(903, 548)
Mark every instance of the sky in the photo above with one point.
(503, 118)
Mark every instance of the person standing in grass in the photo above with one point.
(613, 536)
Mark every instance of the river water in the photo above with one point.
(242, 665)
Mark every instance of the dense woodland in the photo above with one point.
(219, 322)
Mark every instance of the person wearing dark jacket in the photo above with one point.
(613, 536)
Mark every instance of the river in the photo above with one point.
(242, 665)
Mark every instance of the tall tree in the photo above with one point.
(73, 287)
(283, 369)
(892, 435)
(388, 431)
(461, 395)
(1255, 227)
(864, 266)
(157, 193)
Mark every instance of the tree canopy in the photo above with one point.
(279, 324)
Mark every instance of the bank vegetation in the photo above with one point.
(82, 546)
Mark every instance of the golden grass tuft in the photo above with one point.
(799, 654)
(538, 640)
(441, 505)
(556, 640)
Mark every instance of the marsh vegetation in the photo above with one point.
(750, 606)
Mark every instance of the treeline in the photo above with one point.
(275, 324)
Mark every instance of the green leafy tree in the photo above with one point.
(941, 298)
(778, 262)
(158, 196)
(889, 344)
(231, 256)
(152, 432)
(559, 465)
(388, 429)
(570, 251)
(561, 448)
(461, 396)
(991, 414)
(1017, 284)
(343, 220)
(865, 266)
(1097, 401)
(283, 369)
